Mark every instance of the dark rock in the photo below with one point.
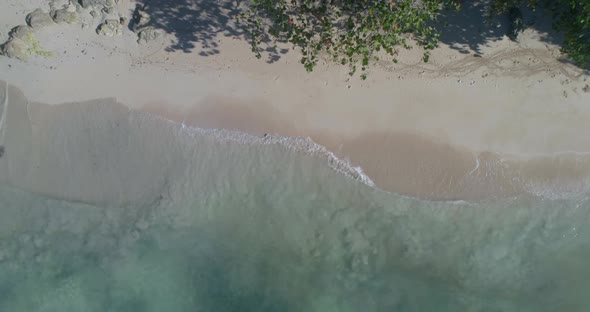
(39, 19)
(110, 28)
(140, 20)
(148, 34)
(65, 15)
(108, 10)
(21, 32)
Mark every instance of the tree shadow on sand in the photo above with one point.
(198, 24)
(470, 29)
(193, 23)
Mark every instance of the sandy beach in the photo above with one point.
(477, 121)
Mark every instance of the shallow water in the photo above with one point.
(103, 209)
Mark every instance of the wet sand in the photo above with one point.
(409, 163)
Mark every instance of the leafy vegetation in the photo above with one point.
(355, 32)
(349, 31)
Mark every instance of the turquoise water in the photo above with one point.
(103, 209)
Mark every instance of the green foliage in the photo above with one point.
(356, 32)
(573, 18)
(351, 32)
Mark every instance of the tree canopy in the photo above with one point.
(353, 32)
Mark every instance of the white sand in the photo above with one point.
(517, 99)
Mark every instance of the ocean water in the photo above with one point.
(105, 209)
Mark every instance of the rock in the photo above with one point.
(64, 15)
(141, 25)
(16, 48)
(148, 34)
(110, 28)
(97, 3)
(108, 10)
(21, 32)
(39, 19)
(22, 44)
(71, 7)
(92, 3)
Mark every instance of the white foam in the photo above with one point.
(300, 144)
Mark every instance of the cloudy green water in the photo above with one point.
(102, 209)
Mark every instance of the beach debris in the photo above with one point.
(65, 15)
(94, 14)
(22, 44)
(85, 26)
(39, 19)
(586, 88)
(109, 28)
(16, 48)
(2, 150)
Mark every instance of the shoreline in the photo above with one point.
(417, 166)
(441, 130)
(404, 164)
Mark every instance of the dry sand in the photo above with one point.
(481, 119)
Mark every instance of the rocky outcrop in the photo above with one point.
(39, 19)
(18, 45)
(22, 44)
(21, 32)
(16, 49)
(110, 28)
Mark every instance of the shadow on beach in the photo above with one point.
(195, 24)
(471, 28)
